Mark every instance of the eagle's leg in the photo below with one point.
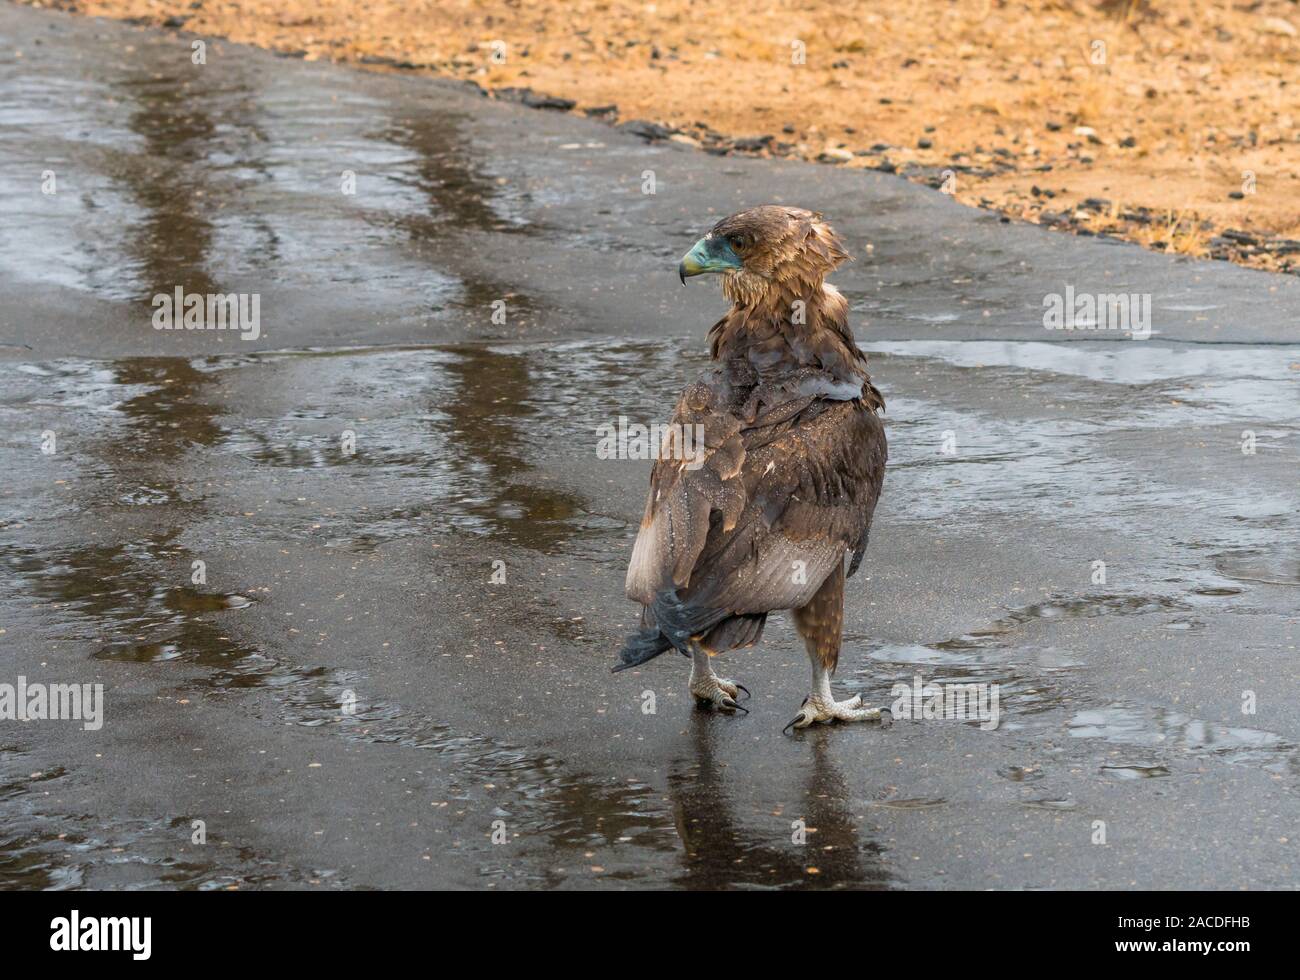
(821, 625)
(708, 687)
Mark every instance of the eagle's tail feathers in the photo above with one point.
(645, 644)
(671, 622)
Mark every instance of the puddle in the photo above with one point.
(59, 853)
(206, 183)
(1026, 674)
(542, 800)
(433, 425)
(115, 590)
(1086, 607)
(465, 438)
(140, 653)
(1272, 566)
(1125, 363)
(121, 594)
(188, 601)
(1134, 772)
(1143, 725)
(459, 439)
(724, 846)
(45, 850)
(985, 431)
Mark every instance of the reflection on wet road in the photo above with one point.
(483, 449)
(247, 182)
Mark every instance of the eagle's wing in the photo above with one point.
(784, 486)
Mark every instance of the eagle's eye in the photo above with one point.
(737, 241)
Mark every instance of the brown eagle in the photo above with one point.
(785, 472)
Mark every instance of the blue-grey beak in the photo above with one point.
(712, 253)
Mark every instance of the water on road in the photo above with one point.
(282, 557)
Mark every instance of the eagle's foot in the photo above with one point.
(721, 693)
(818, 708)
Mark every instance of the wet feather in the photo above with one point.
(793, 457)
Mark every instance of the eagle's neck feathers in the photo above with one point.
(777, 336)
(785, 318)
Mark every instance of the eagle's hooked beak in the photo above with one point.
(712, 253)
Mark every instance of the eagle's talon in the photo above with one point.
(742, 687)
(710, 689)
(825, 710)
(802, 720)
(730, 704)
(721, 701)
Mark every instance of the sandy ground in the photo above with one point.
(1170, 124)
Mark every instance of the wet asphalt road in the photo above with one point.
(337, 579)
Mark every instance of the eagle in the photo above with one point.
(776, 493)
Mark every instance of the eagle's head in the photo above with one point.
(766, 252)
